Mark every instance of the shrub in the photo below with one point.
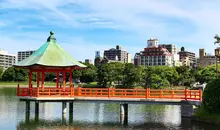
(211, 96)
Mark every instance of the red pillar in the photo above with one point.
(30, 78)
(64, 79)
(38, 79)
(57, 81)
(42, 81)
(71, 80)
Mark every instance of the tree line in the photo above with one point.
(126, 75)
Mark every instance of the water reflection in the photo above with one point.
(90, 115)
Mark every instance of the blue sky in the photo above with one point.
(84, 26)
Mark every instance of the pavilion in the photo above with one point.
(50, 57)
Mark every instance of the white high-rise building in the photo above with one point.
(99, 54)
(6, 60)
(24, 54)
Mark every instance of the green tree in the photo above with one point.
(1, 72)
(109, 73)
(158, 83)
(204, 75)
(89, 74)
(119, 68)
(15, 74)
(130, 75)
(50, 76)
(9, 74)
(21, 74)
(186, 77)
(102, 75)
(211, 100)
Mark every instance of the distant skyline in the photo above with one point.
(85, 26)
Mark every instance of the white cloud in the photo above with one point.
(129, 15)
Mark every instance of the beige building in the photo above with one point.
(6, 60)
(88, 61)
(204, 59)
(185, 61)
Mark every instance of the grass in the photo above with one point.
(203, 115)
(14, 84)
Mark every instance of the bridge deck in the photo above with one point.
(112, 100)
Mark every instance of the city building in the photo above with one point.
(6, 60)
(206, 59)
(24, 54)
(153, 55)
(88, 61)
(176, 60)
(172, 48)
(117, 54)
(185, 61)
(185, 56)
(99, 54)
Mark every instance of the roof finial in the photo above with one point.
(51, 37)
(51, 32)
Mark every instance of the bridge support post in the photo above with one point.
(187, 110)
(63, 107)
(70, 112)
(64, 104)
(36, 111)
(27, 114)
(124, 114)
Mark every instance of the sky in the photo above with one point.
(85, 26)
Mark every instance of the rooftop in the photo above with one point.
(50, 54)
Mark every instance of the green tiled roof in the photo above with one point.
(50, 54)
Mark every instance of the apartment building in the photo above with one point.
(89, 61)
(187, 58)
(6, 60)
(172, 48)
(24, 54)
(153, 55)
(206, 59)
(117, 54)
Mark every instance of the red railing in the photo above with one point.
(110, 93)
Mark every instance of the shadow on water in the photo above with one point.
(59, 124)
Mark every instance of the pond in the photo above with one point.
(92, 116)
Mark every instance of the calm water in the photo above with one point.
(91, 116)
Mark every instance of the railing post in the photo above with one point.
(37, 92)
(18, 90)
(147, 92)
(108, 92)
(200, 95)
(79, 91)
(185, 91)
(172, 94)
(161, 93)
(73, 91)
(30, 90)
